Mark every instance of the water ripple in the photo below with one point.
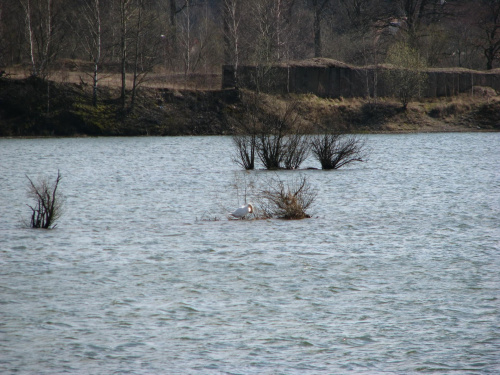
(396, 273)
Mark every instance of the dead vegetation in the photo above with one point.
(289, 200)
(80, 72)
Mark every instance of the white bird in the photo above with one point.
(243, 211)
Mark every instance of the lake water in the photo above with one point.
(397, 272)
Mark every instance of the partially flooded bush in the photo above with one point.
(274, 135)
(246, 129)
(287, 200)
(335, 150)
(297, 150)
(48, 202)
(245, 150)
(281, 144)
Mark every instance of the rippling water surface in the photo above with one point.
(397, 272)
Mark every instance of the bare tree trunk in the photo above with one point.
(29, 28)
(48, 97)
(173, 29)
(317, 34)
(91, 37)
(97, 57)
(48, 38)
(40, 32)
(206, 33)
(124, 16)
(40, 44)
(278, 28)
(136, 57)
(226, 19)
(318, 8)
(93, 18)
(185, 43)
(231, 36)
(188, 51)
(112, 11)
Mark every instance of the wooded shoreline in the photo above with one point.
(34, 107)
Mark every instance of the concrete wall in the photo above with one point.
(336, 81)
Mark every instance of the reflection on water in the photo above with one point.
(396, 272)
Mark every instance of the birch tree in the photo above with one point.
(125, 10)
(146, 39)
(231, 12)
(92, 40)
(138, 34)
(40, 27)
(186, 39)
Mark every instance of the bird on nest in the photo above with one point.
(241, 212)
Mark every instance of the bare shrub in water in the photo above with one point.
(281, 143)
(297, 150)
(245, 150)
(245, 137)
(334, 150)
(273, 134)
(271, 141)
(287, 200)
(48, 202)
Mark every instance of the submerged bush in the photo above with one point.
(48, 202)
(275, 136)
(246, 130)
(335, 150)
(297, 150)
(281, 144)
(245, 150)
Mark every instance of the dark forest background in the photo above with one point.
(198, 36)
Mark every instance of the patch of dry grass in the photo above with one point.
(158, 79)
(458, 113)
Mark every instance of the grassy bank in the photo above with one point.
(32, 107)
